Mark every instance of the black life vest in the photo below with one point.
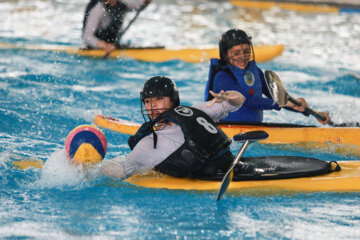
(206, 146)
(116, 13)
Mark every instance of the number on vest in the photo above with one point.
(208, 126)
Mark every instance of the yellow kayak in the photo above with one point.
(346, 180)
(337, 139)
(299, 7)
(155, 54)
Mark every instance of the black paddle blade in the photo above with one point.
(276, 88)
(225, 184)
(252, 136)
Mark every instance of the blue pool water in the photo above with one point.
(44, 95)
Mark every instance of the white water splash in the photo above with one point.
(59, 171)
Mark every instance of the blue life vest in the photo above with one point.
(248, 82)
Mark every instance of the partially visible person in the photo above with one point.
(177, 140)
(103, 21)
(237, 70)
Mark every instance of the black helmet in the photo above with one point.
(160, 86)
(231, 38)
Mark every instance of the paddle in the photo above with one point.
(123, 31)
(248, 137)
(281, 96)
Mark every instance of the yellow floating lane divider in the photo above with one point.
(155, 54)
(288, 6)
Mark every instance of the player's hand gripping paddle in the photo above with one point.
(281, 96)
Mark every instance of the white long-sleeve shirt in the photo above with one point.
(144, 156)
(98, 16)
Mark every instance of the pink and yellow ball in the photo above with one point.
(86, 144)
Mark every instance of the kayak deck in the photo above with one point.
(346, 180)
